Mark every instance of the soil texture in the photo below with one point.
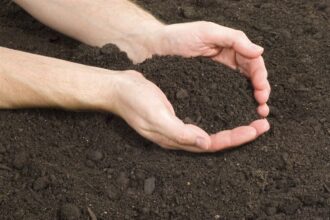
(77, 165)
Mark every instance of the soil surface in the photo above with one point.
(77, 165)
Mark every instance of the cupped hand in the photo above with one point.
(146, 109)
(222, 44)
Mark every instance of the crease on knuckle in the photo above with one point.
(182, 138)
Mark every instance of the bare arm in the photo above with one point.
(99, 22)
(28, 80)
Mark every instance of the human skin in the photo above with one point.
(75, 86)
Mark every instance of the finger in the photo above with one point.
(256, 71)
(261, 126)
(231, 38)
(262, 96)
(238, 136)
(182, 134)
(263, 110)
(227, 57)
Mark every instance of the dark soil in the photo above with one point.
(69, 165)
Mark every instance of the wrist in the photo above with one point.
(98, 90)
(141, 42)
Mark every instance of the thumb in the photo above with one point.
(236, 39)
(185, 135)
(243, 45)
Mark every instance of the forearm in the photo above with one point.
(98, 22)
(28, 80)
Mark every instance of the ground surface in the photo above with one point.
(56, 164)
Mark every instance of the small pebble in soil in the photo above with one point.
(189, 12)
(95, 155)
(188, 120)
(69, 212)
(210, 163)
(270, 211)
(206, 99)
(113, 193)
(182, 94)
(214, 86)
(139, 174)
(145, 210)
(149, 185)
(123, 180)
(20, 160)
(40, 183)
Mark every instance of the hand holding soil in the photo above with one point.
(128, 94)
(224, 45)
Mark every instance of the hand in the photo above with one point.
(145, 108)
(225, 45)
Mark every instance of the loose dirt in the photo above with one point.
(69, 165)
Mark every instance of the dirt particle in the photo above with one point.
(145, 210)
(139, 174)
(284, 33)
(40, 183)
(182, 94)
(270, 211)
(214, 86)
(149, 185)
(95, 155)
(89, 163)
(20, 160)
(188, 120)
(290, 206)
(206, 99)
(210, 163)
(123, 180)
(69, 212)
(189, 12)
(113, 193)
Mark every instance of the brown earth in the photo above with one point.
(70, 165)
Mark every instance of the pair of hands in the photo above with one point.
(145, 107)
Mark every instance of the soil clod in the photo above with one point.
(149, 185)
(123, 180)
(69, 212)
(182, 94)
(113, 193)
(95, 155)
(20, 160)
(40, 183)
(189, 12)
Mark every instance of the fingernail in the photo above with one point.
(201, 142)
(257, 47)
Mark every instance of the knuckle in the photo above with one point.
(205, 24)
(240, 34)
(182, 138)
(135, 73)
